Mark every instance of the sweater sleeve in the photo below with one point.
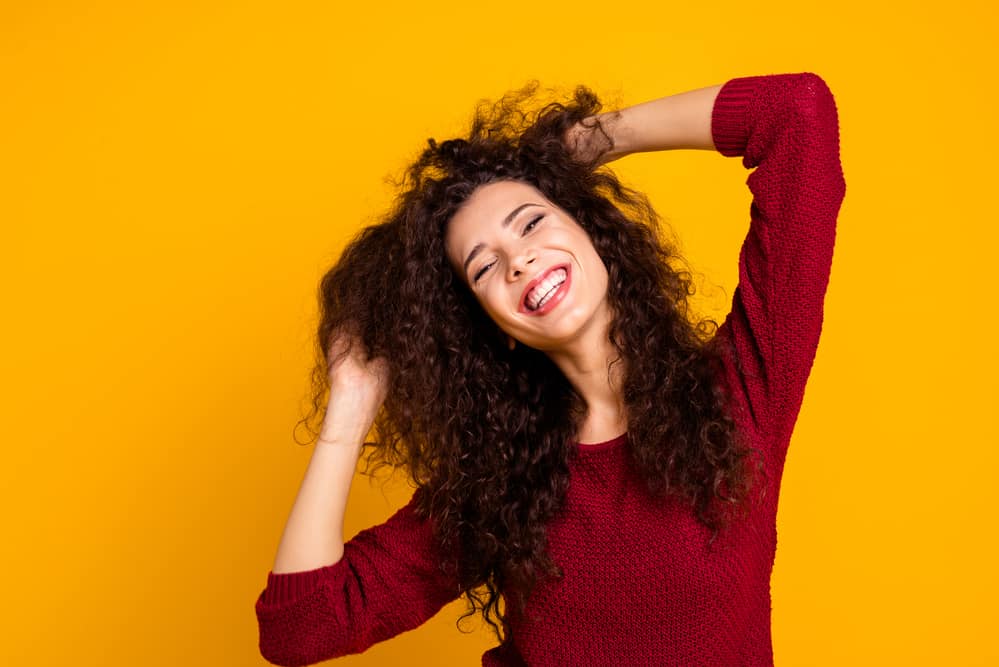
(387, 582)
(786, 127)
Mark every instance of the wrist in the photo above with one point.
(622, 135)
(345, 426)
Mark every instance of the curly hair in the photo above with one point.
(486, 433)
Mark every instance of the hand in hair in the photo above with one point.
(591, 140)
(358, 386)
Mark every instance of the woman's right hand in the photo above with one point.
(313, 535)
(358, 387)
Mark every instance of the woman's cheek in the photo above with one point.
(493, 298)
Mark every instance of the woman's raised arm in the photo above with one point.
(786, 128)
(325, 598)
(676, 121)
(313, 535)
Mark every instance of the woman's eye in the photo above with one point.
(527, 228)
(533, 223)
(478, 274)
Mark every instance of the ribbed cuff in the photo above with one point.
(729, 118)
(290, 586)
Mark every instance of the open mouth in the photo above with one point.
(540, 295)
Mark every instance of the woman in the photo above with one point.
(585, 452)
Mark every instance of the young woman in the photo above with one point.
(596, 469)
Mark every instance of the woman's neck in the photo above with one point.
(596, 372)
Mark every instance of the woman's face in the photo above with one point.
(531, 266)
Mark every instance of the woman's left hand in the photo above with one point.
(594, 140)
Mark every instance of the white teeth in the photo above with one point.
(545, 289)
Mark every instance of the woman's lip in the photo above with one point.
(555, 298)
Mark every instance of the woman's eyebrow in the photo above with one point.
(506, 223)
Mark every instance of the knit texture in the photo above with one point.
(641, 585)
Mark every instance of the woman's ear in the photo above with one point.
(511, 342)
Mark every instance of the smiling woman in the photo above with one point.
(534, 270)
(520, 336)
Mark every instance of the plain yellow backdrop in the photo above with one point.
(175, 178)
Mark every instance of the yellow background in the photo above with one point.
(175, 177)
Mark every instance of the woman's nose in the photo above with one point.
(520, 263)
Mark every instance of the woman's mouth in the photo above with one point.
(546, 291)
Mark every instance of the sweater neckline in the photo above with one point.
(602, 446)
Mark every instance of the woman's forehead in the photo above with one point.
(496, 199)
(493, 204)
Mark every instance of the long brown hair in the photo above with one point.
(487, 433)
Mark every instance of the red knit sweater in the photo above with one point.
(641, 585)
